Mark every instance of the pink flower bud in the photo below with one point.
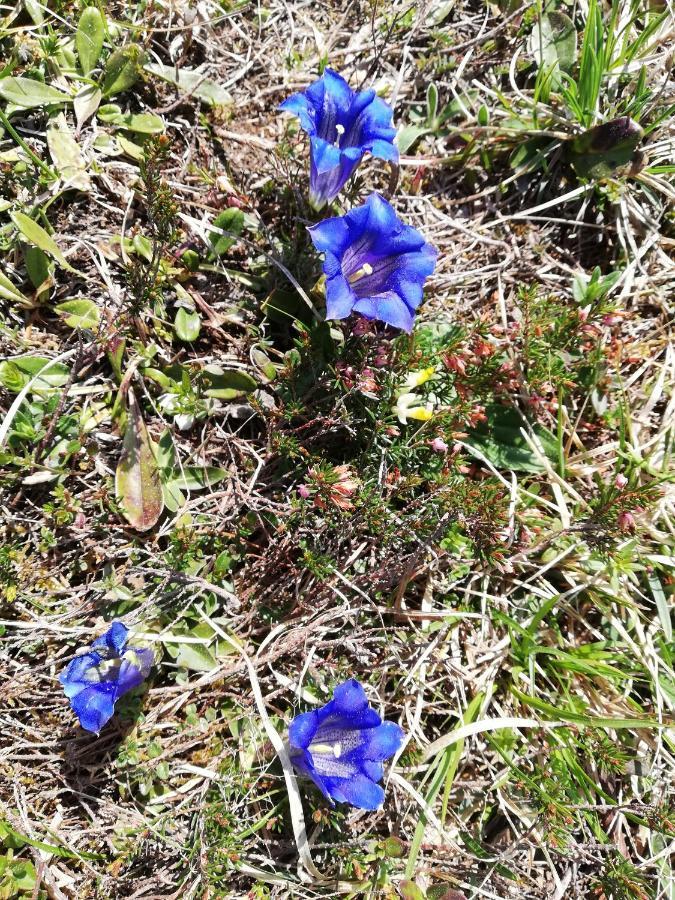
(620, 482)
(626, 521)
(303, 491)
(438, 445)
(361, 327)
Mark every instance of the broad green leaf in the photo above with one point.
(187, 324)
(553, 43)
(226, 384)
(67, 155)
(410, 891)
(35, 234)
(172, 496)
(15, 374)
(35, 10)
(409, 135)
(165, 450)
(263, 363)
(143, 246)
(79, 312)
(9, 292)
(122, 69)
(28, 93)
(130, 148)
(85, 103)
(196, 657)
(194, 478)
(23, 875)
(141, 123)
(231, 220)
(89, 38)
(192, 83)
(499, 439)
(38, 265)
(137, 483)
(601, 150)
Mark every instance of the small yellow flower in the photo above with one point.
(415, 379)
(408, 406)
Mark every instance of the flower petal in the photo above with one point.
(389, 308)
(381, 742)
(303, 763)
(303, 728)
(129, 677)
(94, 706)
(325, 156)
(360, 791)
(331, 235)
(73, 677)
(340, 298)
(114, 640)
(298, 105)
(373, 769)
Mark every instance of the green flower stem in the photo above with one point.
(20, 141)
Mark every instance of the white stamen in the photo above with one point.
(319, 749)
(366, 269)
(340, 129)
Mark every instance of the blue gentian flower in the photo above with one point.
(342, 125)
(374, 264)
(342, 745)
(94, 681)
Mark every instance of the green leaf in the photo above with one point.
(226, 384)
(67, 155)
(601, 150)
(187, 324)
(172, 496)
(432, 104)
(409, 890)
(553, 43)
(85, 103)
(409, 135)
(19, 840)
(192, 83)
(37, 265)
(130, 148)
(137, 483)
(662, 605)
(194, 478)
(37, 236)
(499, 439)
(122, 69)
(28, 93)
(15, 374)
(23, 875)
(89, 38)
(141, 123)
(196, 657)
(79, 312)
(569, 715)
(9, 292)
(231, 220)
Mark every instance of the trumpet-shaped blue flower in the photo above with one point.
(374, 264)
(94, 681)
(342, 125)
(342, 745)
